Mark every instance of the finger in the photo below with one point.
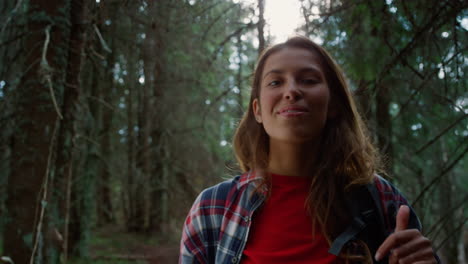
(394, 240)
(425, 254)
(392, 258)
(426, 262)
(402, 218)
(419, 243)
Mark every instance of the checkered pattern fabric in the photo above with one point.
(217, 226)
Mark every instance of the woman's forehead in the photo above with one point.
(292, 59)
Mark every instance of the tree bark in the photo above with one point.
(145, 116)
(132, 224)
(239, 76)
(134, 220)
(450, 247)
(104, 204)
(158, 193)
(66, 136)
(261, 26)
(34, 137)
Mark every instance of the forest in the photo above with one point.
(115, 114)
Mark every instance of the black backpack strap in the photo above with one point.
(367, 220)
(358, 224)
(374, 193)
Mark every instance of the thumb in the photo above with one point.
(402, 218)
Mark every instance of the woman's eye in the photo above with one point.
(310, 81)
(273, 83)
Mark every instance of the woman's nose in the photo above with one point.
(292, 92)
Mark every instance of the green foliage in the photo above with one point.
(164, 84)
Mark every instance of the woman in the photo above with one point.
(305, 154)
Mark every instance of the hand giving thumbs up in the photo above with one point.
(406, 245)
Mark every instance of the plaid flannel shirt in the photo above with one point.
(217, 226)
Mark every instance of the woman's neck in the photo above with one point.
(292, 159)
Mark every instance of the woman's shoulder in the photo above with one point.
(385, 187)
(391, 199)
(220, 189)
(388, 193)
(226, 190)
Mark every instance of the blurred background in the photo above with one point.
(115, 114)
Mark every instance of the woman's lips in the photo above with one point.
(291, 111)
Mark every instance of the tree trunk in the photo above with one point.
(135, 211)
(36, 126)
(104, 204)
(158, 193)
(450, 247)
(92, 160)
(131, 184)
(6, 107)
(67, 132)
(261, 26)
(305, 14)
(145, 116)
(239, 75)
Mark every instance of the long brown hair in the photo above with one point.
(347, 156)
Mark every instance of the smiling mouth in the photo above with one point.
(293, 111)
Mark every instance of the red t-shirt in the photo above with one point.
(281, 230)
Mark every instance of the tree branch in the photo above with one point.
(443, 218)
(338, 9)
(432, 23)
(430, 142)
(455, 230)
(226, 40)
(43, 202)
(222, 14)
(210, 7)
(427, 77)
(8, 20)
(101, 39)
(45, 71)
(15, 38)
(437, 178)
(205, 114)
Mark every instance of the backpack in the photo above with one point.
(368, 222)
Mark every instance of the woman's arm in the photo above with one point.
(202, 228)
(192, 244)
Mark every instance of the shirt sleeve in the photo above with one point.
(193, 245)
(201, 231)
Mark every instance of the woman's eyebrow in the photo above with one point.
(271, 72)
(310, 70)
(300, 71)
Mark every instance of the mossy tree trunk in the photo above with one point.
(36, 125)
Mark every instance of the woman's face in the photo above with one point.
(293, 105)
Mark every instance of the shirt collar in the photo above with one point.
(249, 177)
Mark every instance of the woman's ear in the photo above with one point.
(256, 110)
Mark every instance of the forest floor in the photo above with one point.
(112, 245)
